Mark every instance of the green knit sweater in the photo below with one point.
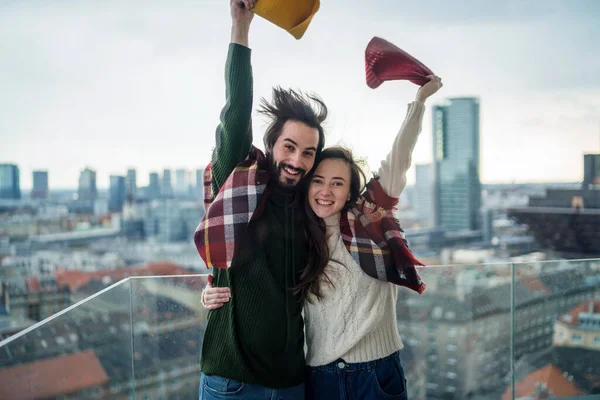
(257, 337)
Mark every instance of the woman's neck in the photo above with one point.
(332, 224)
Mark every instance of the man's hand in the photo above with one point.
(241, 17)
(425, 91)
(241, 11)
(214, 297)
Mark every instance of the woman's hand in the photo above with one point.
(430, 88)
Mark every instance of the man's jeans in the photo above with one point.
(213, 387)
(378, 379)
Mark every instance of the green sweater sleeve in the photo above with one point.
(234, 133)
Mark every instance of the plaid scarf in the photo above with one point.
(375, 240)
(369, 229)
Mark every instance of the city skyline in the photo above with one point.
(144, 180)
(118, 86)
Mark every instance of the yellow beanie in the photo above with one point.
(292, 15)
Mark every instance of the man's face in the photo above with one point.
(294, 152)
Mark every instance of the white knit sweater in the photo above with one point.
(356, 319)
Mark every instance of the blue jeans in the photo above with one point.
(378, 379)
(213, 387)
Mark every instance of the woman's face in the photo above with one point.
(329, 187)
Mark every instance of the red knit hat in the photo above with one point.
(386, 62)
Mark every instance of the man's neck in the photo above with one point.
(284, 188)
(290, 195)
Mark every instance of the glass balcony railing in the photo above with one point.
(501, 331)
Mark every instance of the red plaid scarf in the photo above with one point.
(376, 241)
(369, 230)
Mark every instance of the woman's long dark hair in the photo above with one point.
(318, 252)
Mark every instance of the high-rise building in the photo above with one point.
(181, 181)
(154, 186)
(87, 185)
(591, 169)
(166, 189)
(10, 184)
(424, 194)
(100, 207)
(117, 193)
(457, 189)
(40, 185)
(487, 224)
(131, 185)
(163, 221)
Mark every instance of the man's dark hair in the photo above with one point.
(289, 105)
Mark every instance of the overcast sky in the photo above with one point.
(115, 84)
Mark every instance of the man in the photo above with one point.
(254, 231)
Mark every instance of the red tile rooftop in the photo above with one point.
(52, 377)
(75, 279)
(572, 317)
(548, 378)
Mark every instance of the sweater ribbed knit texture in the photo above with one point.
(257, 337)
(356, 319)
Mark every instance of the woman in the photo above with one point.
(351, 331)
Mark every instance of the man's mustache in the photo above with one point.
(284, 165)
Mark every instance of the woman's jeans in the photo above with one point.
(378, 379)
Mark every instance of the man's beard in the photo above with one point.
(277, 172)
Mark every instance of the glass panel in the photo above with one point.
(457, 335)
(169, 322)
(141, 337)
(556, 322)
(85, 352)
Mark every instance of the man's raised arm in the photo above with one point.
(234, 133)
